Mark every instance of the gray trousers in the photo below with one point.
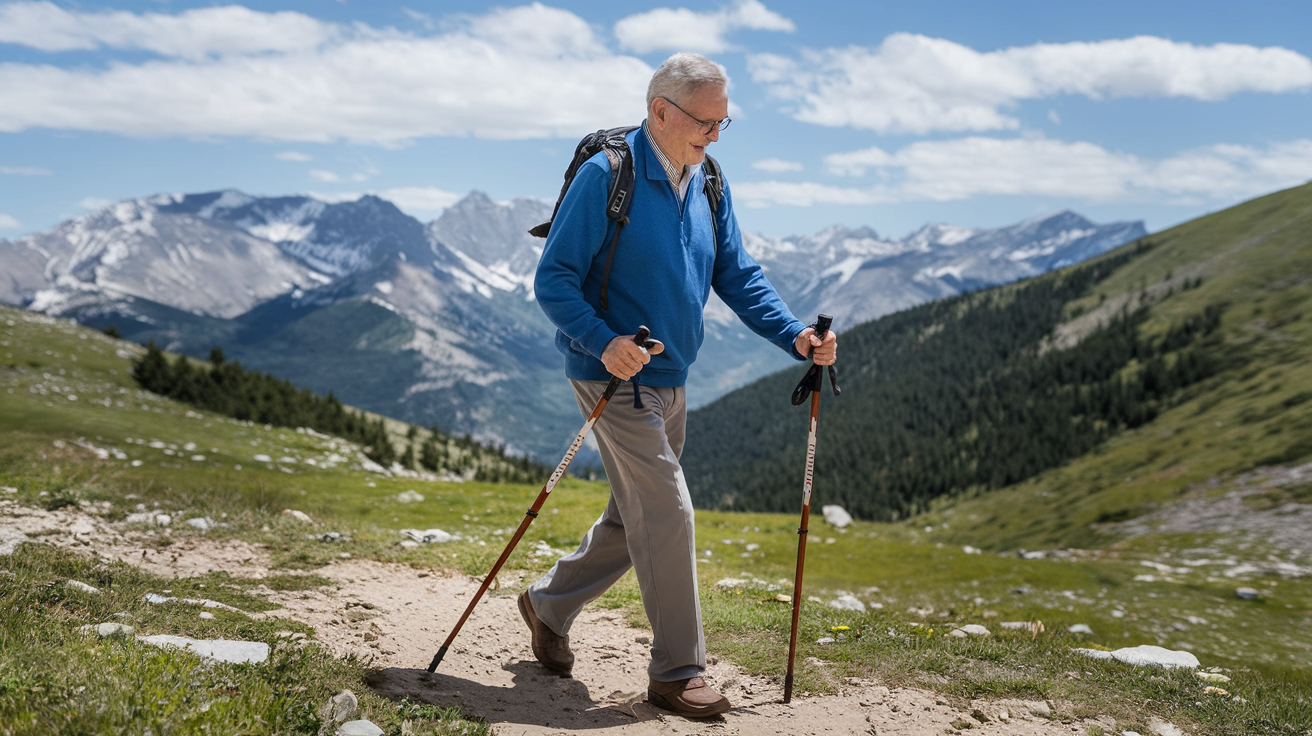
(648, 525)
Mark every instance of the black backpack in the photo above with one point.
(620, 197)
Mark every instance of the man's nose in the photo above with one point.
(714, 135)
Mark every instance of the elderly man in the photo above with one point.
(667, 260)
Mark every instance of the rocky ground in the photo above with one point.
(395, 617)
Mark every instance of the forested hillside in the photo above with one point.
(989, 389)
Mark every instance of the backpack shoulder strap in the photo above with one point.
(713, 186)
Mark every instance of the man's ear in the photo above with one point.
(659, 110)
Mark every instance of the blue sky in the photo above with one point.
(860, 113)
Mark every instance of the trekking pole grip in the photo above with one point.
(822, 325)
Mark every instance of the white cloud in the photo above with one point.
(325, 175)
(293, 156)
(94, 203)
(964, 168)
(7, 222)
(776, 165)
(917, 84)
(230, 29)
(419, 199)
(681, 29)
(526, 72)
(25, 171)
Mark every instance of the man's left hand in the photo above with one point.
(822, 352)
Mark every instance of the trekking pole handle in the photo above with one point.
(822, 324)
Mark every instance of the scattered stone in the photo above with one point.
(203, 523)
(825, 640)
(1146, 655)
(1214, 690)
(848, 603)
(958, 634)
(123, 615)
(731, 583)
(1247, 594)
(298, 515)
(979, 715)
(1080, 629)
(82, 587)
(1015, 625)
(330, 537)
(407, 544)
(409, 497)
(262, 459)
(1162, 728)
(1216, 677)
(10, 539)
(140, 517)
(220, 650)
(814, 599)
(837, 516)
(783, 598)
(207, 615)
(110, 630)
(976, 630)
(359, 728)
(163, 519)
(340, 708)
(972, 550)
(8, 489)
(205, 602)
(1039, 707)
(428, 536)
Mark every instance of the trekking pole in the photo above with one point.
(642, 340)
(810, 385)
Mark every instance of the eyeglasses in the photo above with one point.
(707, 126)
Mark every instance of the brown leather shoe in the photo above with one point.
(551, 649)
(691, 698)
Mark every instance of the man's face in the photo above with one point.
(679, 135)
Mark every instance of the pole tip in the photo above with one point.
(437, 659)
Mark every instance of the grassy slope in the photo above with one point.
(891, 564)
(1257, 258)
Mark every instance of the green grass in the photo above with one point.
(920, 577)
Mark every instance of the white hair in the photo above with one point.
(682, 74)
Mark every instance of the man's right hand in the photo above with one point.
(624, 358)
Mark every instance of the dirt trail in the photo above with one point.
(395, 618)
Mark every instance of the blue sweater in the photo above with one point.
(665, 267)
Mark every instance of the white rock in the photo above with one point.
(837, 516)
(409, 497)
(220, 650)
(731, 583)
(10, 539)
(958, 634)
(848, 603)
(298, 515)
(111, 629)
(428, 536)
(1248, 594)
(203, 523)
(359, 728)
(408, 544)
(341, 707)
(1146, 655)
(206, 615)
(163, 519)
(263, 459)
(825, 640)
(1216, 677)
(976, 630)
(1079, 629)
(1015, 625)
(1162, 728)
(972, 550)
(203, 602)
(81, 586)
(140, 517)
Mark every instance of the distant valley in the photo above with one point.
(435, 323)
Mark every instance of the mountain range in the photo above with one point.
(435, 323)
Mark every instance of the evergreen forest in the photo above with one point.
(226, 387)
(960, 395)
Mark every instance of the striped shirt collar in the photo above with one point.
(679, 178)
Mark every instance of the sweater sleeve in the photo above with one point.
(578, 233)
(739, 280)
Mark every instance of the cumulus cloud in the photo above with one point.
(25, 171)
(681, 29)
(917, 84)
(325, 175)
(7, 222)
(776, 165)
(512, 73)
(293, 156)
(94, 203)
(963, 168)
(230, 29)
